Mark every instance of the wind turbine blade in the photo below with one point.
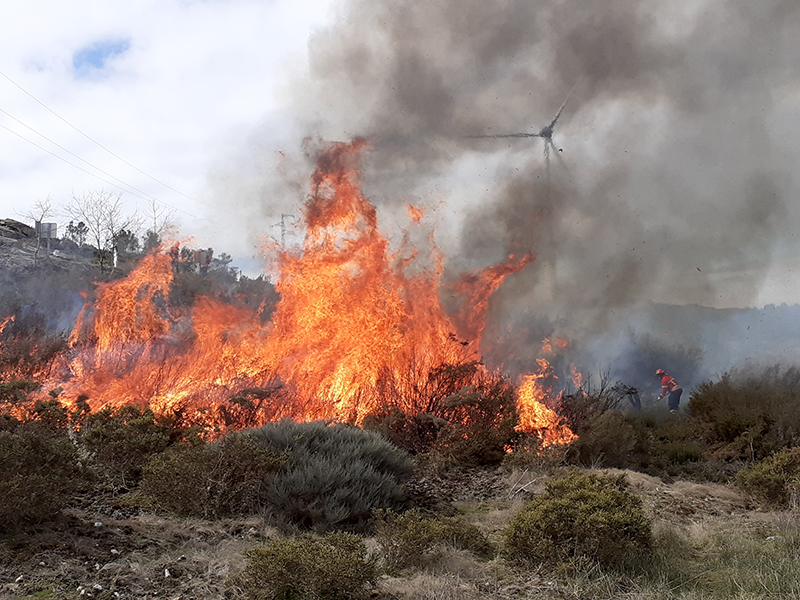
(506, 135)
(560, 110)
(558, 157)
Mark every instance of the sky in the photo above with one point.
(148, 96)
(673, 177)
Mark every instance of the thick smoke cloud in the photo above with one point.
(673, 179)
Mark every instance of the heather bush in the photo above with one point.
(308, 568)
(38, 471)
(581, 516)
(481, 423)
(211, 481)
(120, 441)
(749, 415)
(334, 476)
(775, 480)
(469, 417)
(414, 433)
(412, 540)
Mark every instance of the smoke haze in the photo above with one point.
(673, 178)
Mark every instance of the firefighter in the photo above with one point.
(670, 386)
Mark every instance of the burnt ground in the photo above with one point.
(114, 547)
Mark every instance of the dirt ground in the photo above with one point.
(109, 548)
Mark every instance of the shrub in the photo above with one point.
(774, 479)
(121, 441)
(473, 423)
(211, 481)
(749, 415)
(481, 423)
(581, 515)
(414, 433)
(411, 540)
(38, 471)
(334, 476)
(335, 566)
(610, 439)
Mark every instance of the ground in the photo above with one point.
(110, 547)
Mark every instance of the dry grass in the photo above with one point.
(712, 544)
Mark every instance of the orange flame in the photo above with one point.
(354, 327)
(534, 415)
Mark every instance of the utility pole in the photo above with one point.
(282, 225)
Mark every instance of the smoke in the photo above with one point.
(673, 175)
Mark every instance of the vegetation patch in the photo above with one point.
(334, 476)
(775, 480)
(412, 540)
(212, 481)
(581, 515)
(308, 568)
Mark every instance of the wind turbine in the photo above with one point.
(546, 133)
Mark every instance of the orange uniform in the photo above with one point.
(669, 384)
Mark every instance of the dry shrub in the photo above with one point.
(749, 415)
(334, 476)
(120, 441)
(411, 540)
(212, 481)
(38, 472)
(469, 415)
(773, 480)
(307, 568)
(581, 515)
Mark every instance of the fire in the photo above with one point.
(534, 415)
(358, 324)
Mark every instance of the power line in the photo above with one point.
(95, 175)
(57, 145)
(91, 138)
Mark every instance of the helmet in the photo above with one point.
(660, 372)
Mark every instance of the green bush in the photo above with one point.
(211, 481)
(774, 479)
(412, 540)
(581, 515)
(38, 471)
(335, 566)
(334, 476)
(120, 441)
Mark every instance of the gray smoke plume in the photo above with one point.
(680, 142)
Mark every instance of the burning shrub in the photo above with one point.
(38, 472)
(775, 480)
(414, 433)
(27, 351)
(335, 476)
(481, 423)
(411, 540)
(472, 423)
(335, 566)
(211, 481)
(121, 441)
(581, 515)
(749, 416)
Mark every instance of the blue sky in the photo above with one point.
(95, 56)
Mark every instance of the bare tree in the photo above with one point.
(105, 219)
(159, 222)
(41, 210)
